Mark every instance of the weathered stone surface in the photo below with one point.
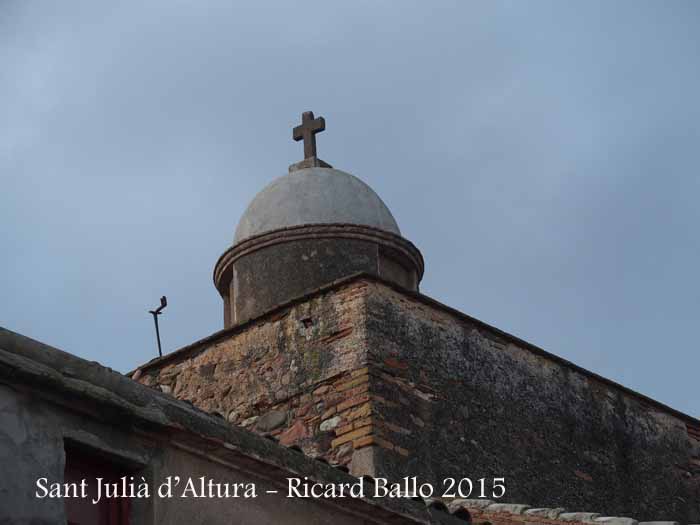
(609, 520)
(262, 272)
(249, 421)
(458, 503)
(306, 366)
(578, 516)
(511, 508)
(330, 424)
(532, 418)
(271, 420)
(546, 512)
(314, 196)
(559, 435)
(362, 463)
(31, 447)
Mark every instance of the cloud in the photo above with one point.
(543, 156)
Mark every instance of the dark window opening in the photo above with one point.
(88, 465)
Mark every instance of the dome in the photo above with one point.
(314, 196)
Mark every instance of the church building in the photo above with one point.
(332, 364)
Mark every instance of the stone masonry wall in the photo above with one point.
(392, 385)
(455, 398)
(297, 375)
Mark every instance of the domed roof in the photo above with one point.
(314, 196)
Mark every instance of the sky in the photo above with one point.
(543, 156)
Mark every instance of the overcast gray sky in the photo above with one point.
(542, 155)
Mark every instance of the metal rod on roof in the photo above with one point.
(156, 313)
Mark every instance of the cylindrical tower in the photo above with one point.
(305, 230)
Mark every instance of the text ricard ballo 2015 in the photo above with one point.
(98, 489)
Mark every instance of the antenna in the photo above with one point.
(156, 313)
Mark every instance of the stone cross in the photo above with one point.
(307, 132)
